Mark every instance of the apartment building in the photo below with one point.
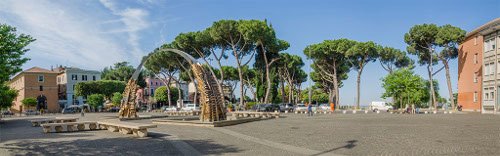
(479, 69)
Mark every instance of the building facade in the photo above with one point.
(67, 78)
(479, 69)
(36, 83)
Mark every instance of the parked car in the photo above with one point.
(257, 107)
(31, 112)
(169, 109)
(324, 107)
(114, 109)
(190, 107)
(69, 110)
(303, 107)
(268, 108)
(380, 106)
(7, 113)
(300, 107)
(286, 107)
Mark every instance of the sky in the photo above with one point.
(92, 34)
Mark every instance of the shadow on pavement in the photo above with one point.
(350, 144)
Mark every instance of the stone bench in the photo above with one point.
(38, 122)
(255, 114)
(69, 126)
(183, 113)
(138, 129)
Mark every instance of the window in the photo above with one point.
(486, 96)
(475, 58)
(475, 77)
(492, 68)
(475, 96)
(41, 88)
(475, 40)
(492, 96)
(93, 78)
(73, 87)
(156, 83)
(485, 46)
(486, 69)
(152, 92)
(151, 83)
(84, 77)
(498, 67)
(40, 78)
(74, 77)
(59, 79)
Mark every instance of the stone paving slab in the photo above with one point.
(295, 134)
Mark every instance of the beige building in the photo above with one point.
(37, 83)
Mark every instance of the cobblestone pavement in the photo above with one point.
(295, 134)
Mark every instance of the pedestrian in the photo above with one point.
(309, 110)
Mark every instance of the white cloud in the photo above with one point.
(134, 20)
(64, 34)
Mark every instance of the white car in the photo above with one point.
(303, 107)
(380, 106)
(324, 107)
(170, 109)
(300, 107)
(191, 107)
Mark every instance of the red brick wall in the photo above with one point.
(466, 69)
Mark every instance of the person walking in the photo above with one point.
(309, 110)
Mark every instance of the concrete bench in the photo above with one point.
(38, 122)
(69, 126)
(255, 114)
(138, 129)
(183, 113)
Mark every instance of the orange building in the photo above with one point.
(479, 69)
(37, 83)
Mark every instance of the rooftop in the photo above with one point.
(485, 28)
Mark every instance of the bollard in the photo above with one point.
(366, 112)
(450, 112)
(286, 112)
(296, 112)
(392, 112)
(435, 112)
(353, 112)
(344, 111)
(426, 112)
(378, 112)
(445, 112)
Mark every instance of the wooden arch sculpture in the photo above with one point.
(211, 101)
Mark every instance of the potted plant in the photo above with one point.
(230, 108)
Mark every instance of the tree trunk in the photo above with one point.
(242, 94)
(168, 92)
(358, 81)
(290, 94)
(337, 98)
(179, 99)
(268, 80)
(221, 81)
(450, 90)
(168, 96)
(432, 92)
(282, 91)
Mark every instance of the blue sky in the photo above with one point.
(95, 34)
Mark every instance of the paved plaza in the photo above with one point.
(294, 134)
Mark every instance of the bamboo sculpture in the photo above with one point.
(212, 108)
